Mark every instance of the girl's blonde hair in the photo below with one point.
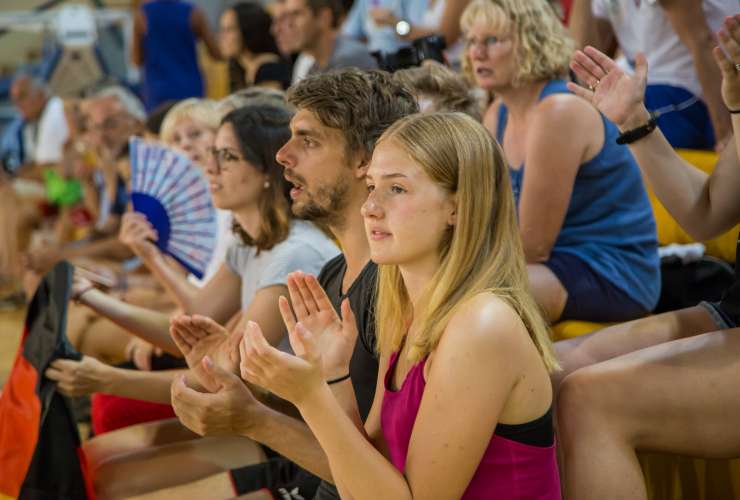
(543, 49)
(482, 252)
(204, 112)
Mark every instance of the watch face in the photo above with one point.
(403, 28)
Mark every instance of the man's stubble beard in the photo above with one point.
(327, 205)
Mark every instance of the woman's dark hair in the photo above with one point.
(254, 27)
(262, 129)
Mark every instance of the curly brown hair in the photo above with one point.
(448, 91)
(360, 104)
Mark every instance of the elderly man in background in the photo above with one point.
(34, 139)
(112, 116)
(39, 133)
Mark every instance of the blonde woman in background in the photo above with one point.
(584, 216)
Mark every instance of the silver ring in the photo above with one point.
(737, 67)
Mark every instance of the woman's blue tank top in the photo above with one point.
(170, 62)
(609, 223)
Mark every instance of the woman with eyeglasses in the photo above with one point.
(584, 215)
(246, 180)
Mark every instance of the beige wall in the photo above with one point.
(16, 46)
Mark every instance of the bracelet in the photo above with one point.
(338, 379)
(635, 134)
(76, 299)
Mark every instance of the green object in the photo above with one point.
(61, 191)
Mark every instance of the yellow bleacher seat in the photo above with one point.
(669, 231)
(572, 328)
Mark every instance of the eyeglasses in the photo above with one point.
(222, 157)
(487, 43)
(110, 123)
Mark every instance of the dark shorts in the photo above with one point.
(590, 296)
(326, 491)
(279, 476)
(726, 312)
(688, 126)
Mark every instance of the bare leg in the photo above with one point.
(628, 337)
(678, 397)
(214, 487)
(548, 291)
(174, 464)
(160, 455)
(104, 340)
(134, 438)
(218, 486)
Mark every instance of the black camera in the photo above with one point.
(422, 49)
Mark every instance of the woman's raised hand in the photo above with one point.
(618, 95)
(727, 56)
(138, 234)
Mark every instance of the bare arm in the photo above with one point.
(84, 377)
(566, 125)
(587, 29)
(705, 206)
(149, 325)
(690, 24)
(137, 41)
(104, 247)
(218, 299)
(44, 258)
(200, 27)
(449, 26)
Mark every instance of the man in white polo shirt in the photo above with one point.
(44, 130)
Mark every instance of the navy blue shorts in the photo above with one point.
(690, 126)
(590, 296)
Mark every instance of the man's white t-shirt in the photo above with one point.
(44, 139)
(642, 26)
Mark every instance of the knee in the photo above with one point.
(581, 404)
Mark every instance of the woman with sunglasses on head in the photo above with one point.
(584, 215)
(463, 402)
